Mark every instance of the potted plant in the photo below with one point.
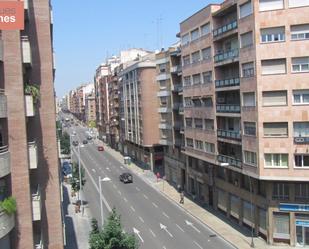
(8, 205)
(34, 91)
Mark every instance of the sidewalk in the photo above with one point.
(218, 223)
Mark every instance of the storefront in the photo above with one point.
(302, 231)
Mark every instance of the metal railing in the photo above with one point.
(227, 82)
(229, 134)
(226, 55)
(225, 28)
(228, 108)
(230, 160)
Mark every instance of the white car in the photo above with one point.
(74, 133)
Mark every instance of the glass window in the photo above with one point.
(301, 160)
(301, 191)
(194, 34)
(197, 102)
(262, 219)
(189, 142)
(206, 53)
(195, 57)
(248, 213)
(188, 102)
(207, 77)
(301, 129)
(300, 32)
(186, 60)
(250, 128)
(273, 34)
(248, 99)
(185, 39)
(199, 145)
(298, 3)
(281, 226)
(250, 157)
(198, 122)
(196, 79)
(187, 81)
(245, 9)
(276, 160)
(270, 5)
(205, 29)
(300, 64)
(301, 96)
(188, 122)
(274, 66)
(209, 124)
(246, 39)
(274, 98)
(235, 205)
(209, 147)
(247, 69)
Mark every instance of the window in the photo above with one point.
(198, 122)
(301, 97)
(194, 35)
(301, 129)
(207, 77)
(276, 160)
(300, 64)
(247, 69)
(272, 34)
(248, 213)
(205, 29)
(274, 98)
(162, 68)
(280, 191)
(275, 66)
(206, 53)
(196, 79)
(281, 225)
(207, 102)
(163, 101)
(298, 3)
(189, 142)
(188, 102)
(301, 191)
(245, 9)
(188, 122)
(300, 32)
(195, 57)
(275, 129)
(246, 39)
(199, 145)
(185, 39)
(250, 128)
(250, 157)
(209, 124)
(187, 81)
(197, 102)
(186, 60)
(301, 161)
(270, 4)
(262, 219)
(248, 99)
(209, 147)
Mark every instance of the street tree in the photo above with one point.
(75, 177)
(112, 235)
(65, 143)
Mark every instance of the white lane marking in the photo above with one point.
(197, 244)
(163, 227)
(125, 199)
(108, 169)
(141, 219)
(191, 225)
(119, 192)
(121, 167)
(180, 228)
(153, 234)
(138, 234)
(146, 197)
(166, 215)
(164, 247)
(137, 189)
(93, 170)
(155, 205)
(132, 209)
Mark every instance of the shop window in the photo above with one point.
(281, 226)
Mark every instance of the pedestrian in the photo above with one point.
(182, 198)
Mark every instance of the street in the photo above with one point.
(155, 220)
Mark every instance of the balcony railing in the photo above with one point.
(228, 108)
(223, 29)
(7, 223)
(176, 69)
(226, 55)
(5, 167)
(33, 155)
(229, 134)
(227, 82)
(230, 160)
(36, 204)
(177, 88)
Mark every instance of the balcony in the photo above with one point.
(231, 161)
(163, 93)
(164, 110)
(163, 141)
(36, 203)
(7, 223)
(224, 29)
(176, 69)
(1, 49)
(226, 56)
(29, 106)
(3, 104)
(33, 155)
(5, 166)
(229, 134)
(226, 108)
(164, 126)
(162, 76)
(26, 50)
(227, 82)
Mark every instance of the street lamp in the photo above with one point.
(252, 245)
(105, 179)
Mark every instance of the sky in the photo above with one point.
(88, 32)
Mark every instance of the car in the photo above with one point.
(126, 177)
(75, 143)
(89, 137)
(100, 148)
(85, 141)
(74, 132)
(66, 169)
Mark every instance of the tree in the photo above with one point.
(65, 143)
(91, 124)
(75, 177)
(112, 236)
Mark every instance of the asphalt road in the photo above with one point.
(156, 221)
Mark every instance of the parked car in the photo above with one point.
(66, 169)
(85, 141)
(75, 143)
(89, 137)
(126, 177)
(100, 148)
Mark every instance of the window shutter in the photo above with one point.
(249, 99)
(304, 28)
(298, 3)
(246, 39)
(274, 98)
(273, 66)
(271, 4)
(245, 9)
(275, 129)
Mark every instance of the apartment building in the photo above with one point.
(90, 112)
(245, 76)
(168, 70)
(140, 112)
(29, 165)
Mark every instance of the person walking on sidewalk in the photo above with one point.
(182, 197)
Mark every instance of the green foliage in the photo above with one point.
(65, 145)
(112, 236)
(94, 226)
(75, 177)
(59, 129)
(9, 205)
(34, 91)
(92, 124)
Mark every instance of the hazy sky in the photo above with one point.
(86, 32)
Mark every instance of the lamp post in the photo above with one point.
(80, 180)
(105, 179)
